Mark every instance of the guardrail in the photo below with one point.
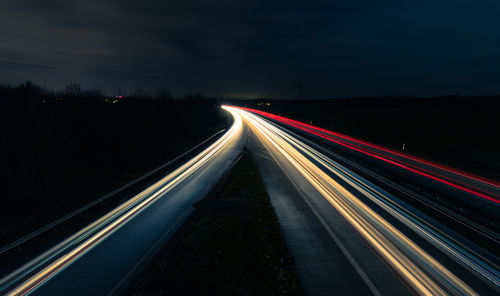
(39, 231)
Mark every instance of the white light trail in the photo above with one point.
(425, 274)
(66, 252)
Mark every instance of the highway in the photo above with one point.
(99, 259)
(404, 245)
(347, 235)
(479, 187)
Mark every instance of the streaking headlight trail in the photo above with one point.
(35, 273)
(479, 187)
(419, 269)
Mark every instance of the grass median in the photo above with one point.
(232, 246)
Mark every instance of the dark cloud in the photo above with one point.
(256, 48)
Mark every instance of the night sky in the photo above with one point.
(244, 48)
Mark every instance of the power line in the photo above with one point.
(36, 39)
(32, 61)
(99, 60)
(112, 59)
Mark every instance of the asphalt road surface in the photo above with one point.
(479, 188)
(347, 235)
(99, 259)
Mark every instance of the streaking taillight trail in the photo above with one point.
(416, 266)
(457, 179)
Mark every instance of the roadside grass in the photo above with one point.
(232, 246)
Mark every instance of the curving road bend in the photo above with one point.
(346, 234)
(99, 259)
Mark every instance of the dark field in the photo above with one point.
(459, 131)
(59, 155)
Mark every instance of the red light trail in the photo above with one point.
(389, 156)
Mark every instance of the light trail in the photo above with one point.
(39, 270)
(424, 273)
(464, 181)
(392, 151)
(455, 249)
(414, 265)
